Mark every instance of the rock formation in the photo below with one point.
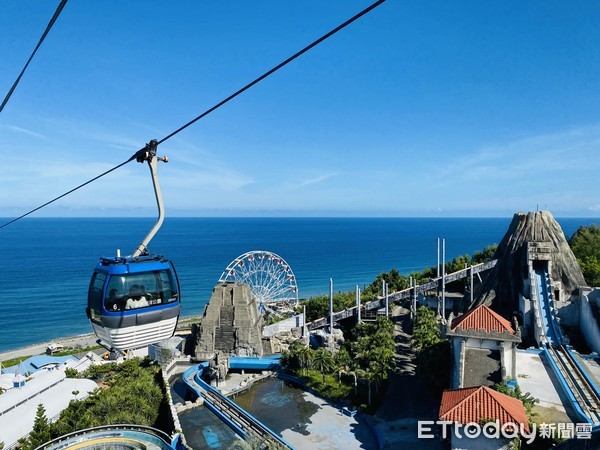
(506, 281)
(329, 341)
(231, 324)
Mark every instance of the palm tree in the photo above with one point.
(323, 361)
(380, 363)
(354, 370)
(342, 361)
(291, 358)
(368, 377)
(305, 355)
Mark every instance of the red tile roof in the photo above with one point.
(472, 405)
(482, 318)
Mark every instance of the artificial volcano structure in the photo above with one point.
(530, 236)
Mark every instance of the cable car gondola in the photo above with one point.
(134, 301)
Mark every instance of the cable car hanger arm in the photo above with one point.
(148, 154)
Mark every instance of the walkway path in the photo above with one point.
(405, 294)
(407, 400)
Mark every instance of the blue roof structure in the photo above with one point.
(35, 363)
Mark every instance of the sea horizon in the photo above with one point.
(49, 260)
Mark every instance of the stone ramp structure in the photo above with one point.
(231, 324)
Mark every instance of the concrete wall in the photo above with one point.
(284, 325)
(526, 309)
(483, 343)
(458, 346)
(508, 360)
(587, 322)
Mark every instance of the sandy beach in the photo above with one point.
(83, 341)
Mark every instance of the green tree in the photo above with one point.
(341, 362)
(485, 255)
(41, 430)
(368, 377)
(317, 307)
(394, 280)
(426, 331)
(585, 244)
(306, 356)
(458, 263)
(354, 370)
(381, 361)
(71, 373)
(323, 361)
(434, 363)
(384, 325)
(290, 357)
(135, 395)
(529, 401)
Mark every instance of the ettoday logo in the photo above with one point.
(493, 430)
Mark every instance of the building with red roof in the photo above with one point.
(483, 348)
(477, 405)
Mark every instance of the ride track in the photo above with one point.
(577, 384)
(239, 420)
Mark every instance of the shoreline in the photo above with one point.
(84, 340)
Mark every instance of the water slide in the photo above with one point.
(239, 420)
(547, 312)
(578, 386)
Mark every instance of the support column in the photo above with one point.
(461, 363)
(437, 268)
(387, 308)
(414, 302)
(471, 286)
(503, 362)
(358, 302)
(443, 280)
(331, 306)
(304, 330)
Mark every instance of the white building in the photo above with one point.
(51, 388)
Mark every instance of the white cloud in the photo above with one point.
(533, 159)
(24, 131)
(314, 180)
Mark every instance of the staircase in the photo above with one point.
(225, 332)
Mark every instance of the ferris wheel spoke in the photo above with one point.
(268, 275)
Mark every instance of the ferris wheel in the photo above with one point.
(270, 278)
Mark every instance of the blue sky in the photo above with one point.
(418, 109)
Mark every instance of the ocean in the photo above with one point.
(47, 262)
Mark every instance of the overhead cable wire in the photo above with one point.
(218, 105)
(276, 68)
(65, 194)
(48, 28)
